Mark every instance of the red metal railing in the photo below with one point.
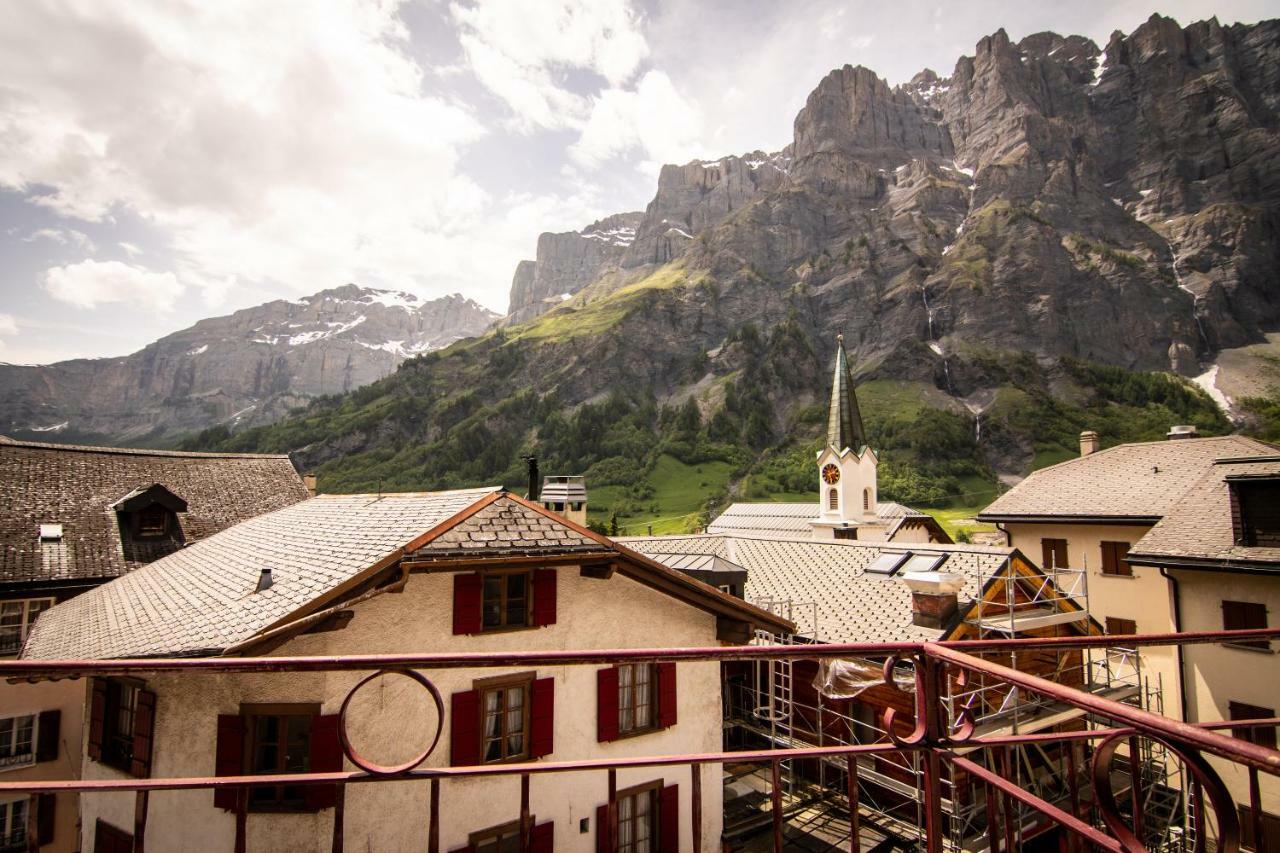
(944, 744)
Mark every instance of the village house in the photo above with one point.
(1219, 548)
(71, 519)
(848, 505)
(1089, 512)
(447, 572)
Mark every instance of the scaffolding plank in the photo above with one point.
(1030, 620)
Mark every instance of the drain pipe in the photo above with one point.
(1177, 649)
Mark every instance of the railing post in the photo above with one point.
(1135, 786)
(993, 831)
(526, 837)
(695, 792)
(1073, 785)
(855, 832)
(1255, 808)
(339, 811)
(33, 824)
(775, 800)
(140, 802)
(929, 703)
(1006, 770)
(433, 821)
(242, 817)
(612, 809)
(1197, 816)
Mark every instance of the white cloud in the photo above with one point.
(62, 236)
(8, 325)
(131, 249)
(89, 284)
(268, 144)
(523, 51)
(653, 119)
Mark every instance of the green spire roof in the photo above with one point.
(844, 423)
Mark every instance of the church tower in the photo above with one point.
(847, 465)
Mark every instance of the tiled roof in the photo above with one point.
(505, 527)
(1198, 528)
(830, 592)
(201, 599)
(76, 486)
(1130, 481)
(789, 519)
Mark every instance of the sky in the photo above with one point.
(161, 162)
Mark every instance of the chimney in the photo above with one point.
(1089, 442)
(934, 597)
(309, 480)
(1182, 431)
(534, 480)
(264, 580)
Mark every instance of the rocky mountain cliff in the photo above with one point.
(990, 243)
(250, 367)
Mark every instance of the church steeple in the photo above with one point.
(844, 422)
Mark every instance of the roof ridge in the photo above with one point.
(1153, 442)
(7, 441)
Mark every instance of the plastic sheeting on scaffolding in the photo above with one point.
(847, 679)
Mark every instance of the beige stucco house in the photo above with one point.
(463, 571)
(71, 519)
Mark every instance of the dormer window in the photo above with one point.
(1255, 512)
(152, 522)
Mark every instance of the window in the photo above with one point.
(505, 601)
(17, 740)
(1242, 616)
(1053, 553)
(153, 521)
(866, 500)
(636, 698)
(1256, 513)
(13, 824)
(121, 722)
(16, 619)
(504, 729)
(497, 839)
(637, 813)
(507, 718)
(1116, 625)
(1270, 841)
(108, 839)
(278, 740)
(1113, 559)
(846, 533)
(833, 499)
(1263, 736)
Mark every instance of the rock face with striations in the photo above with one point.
(249, 367)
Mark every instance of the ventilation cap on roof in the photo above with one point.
(264, 580)
(50, 532)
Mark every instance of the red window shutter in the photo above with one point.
(326, 757)
(144, 727)
(542, 715)
(607, 704)
(666, 695)
(467, 592)
(669, 819)
(46, 815)
(50, 735)
(97, 718)
(544, 838)
(464, 725)
(602, 829)
(544, 597)
(229, 758)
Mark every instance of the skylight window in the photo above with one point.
(924, 562)
(888, 562)
(50, 532)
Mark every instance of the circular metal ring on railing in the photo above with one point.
(1210, 783)
(395, 769)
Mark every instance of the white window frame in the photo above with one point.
(7, 811)
(25, 620)
(26, 759)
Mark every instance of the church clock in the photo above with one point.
(830, 474)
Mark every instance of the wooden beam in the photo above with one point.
(732, 630)
(500, 561)
(598, 571)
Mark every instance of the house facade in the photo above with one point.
(1219, 547)
(468, 571)
(1089, 513)
(71, 519)
(848, 505)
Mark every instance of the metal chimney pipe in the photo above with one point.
(534, 481)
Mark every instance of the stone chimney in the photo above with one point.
(1182, 431)
(309, 480)
(934, 597)
(1089, 442)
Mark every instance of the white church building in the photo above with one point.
(848, 505)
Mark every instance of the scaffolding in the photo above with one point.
(769, 706)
